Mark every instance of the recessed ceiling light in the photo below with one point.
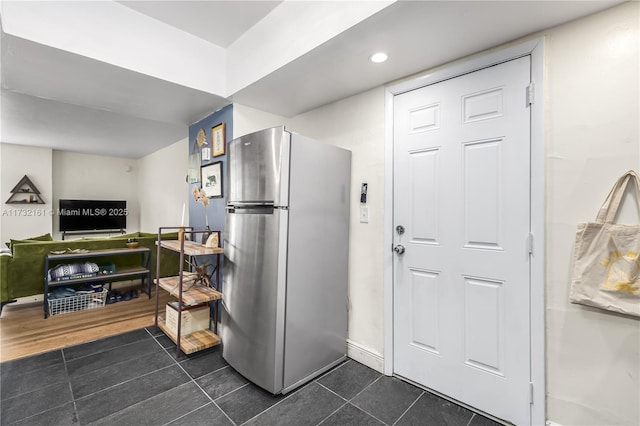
(379, 57)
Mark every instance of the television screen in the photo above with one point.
(92, 215)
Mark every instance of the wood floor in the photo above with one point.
(24, 331)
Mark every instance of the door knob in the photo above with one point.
(399, 249)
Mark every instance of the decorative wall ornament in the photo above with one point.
(25, 192)
(201, 138)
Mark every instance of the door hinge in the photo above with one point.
(531, 94)
(530, 392)
(530, 244)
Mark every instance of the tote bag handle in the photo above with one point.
(609, 208)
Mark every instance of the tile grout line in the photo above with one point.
(186, 414)
(365, 388)
(73, 401)
(332, 413)
(369, 414)
(263, 411)
(123, 382)
(276, 404)
(73, 398)
(408, 408)
(37, 389)
(471, 419)
(151, 372)
(104, 350)
(213, 372)
(117, 364)
(338, 395)
(348, 401)
(298, 388)
(233, 391)
(292, 393)
(194, 381)
(140, 402)
(362, 409)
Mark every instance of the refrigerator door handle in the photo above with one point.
(251, 203)
(250, 208)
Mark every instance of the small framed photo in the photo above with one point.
(206, 154)
(217, 140)
(212, 179)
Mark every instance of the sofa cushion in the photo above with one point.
(22, 273)
(43, 237)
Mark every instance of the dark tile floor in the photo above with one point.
(135, 379)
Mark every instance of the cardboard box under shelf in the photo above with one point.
(194, 318)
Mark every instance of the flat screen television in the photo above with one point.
(92, 215)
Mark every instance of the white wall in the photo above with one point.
(94, 177)
(357, 124)
(591, 137)
(18, 221)
(162, 187)
(247, 120)
(153, 186)
(592, 117)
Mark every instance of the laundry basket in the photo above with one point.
(79, 302)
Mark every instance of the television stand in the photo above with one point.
(141, 271)
(96, 231)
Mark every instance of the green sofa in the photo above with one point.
(22, 271)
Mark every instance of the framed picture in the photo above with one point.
(212, 179)
(206, 154)
(217, 140)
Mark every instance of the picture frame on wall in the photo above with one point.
(211, 179)
(217, 140)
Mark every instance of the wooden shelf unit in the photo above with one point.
(194, 295)
(25, 188)
(191, 248)
(183, 288)
(193, 342)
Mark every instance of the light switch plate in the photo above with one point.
(364, 214)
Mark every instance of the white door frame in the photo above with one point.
(535, 48)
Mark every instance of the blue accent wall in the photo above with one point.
(215, 210)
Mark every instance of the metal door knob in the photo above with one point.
(399, 249)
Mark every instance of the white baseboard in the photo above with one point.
(550, 423)
(365, 355)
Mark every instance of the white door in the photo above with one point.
(461, 192)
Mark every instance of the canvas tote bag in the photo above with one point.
(606, 271)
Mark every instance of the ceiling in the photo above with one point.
(63, 100)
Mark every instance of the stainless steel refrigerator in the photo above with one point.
(286, 243)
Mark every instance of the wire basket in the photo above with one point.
(79, 302)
